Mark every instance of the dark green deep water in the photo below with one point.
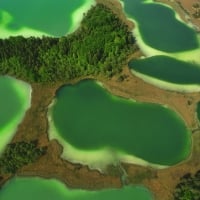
(90, 118)
(159, 28)
(167, 69)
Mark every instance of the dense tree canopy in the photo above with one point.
(188, 188)
(99, 46)
(16, 155)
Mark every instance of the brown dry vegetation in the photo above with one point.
(51, 165)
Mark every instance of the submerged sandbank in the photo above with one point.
(15, 101)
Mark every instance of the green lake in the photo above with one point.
(167, 69)
(15, 100)
(173, 46)
(159, 28)
(90, 118)
(87, 116)
(46, 17)
(41, 189)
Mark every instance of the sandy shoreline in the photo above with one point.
(186, 10)
(160, 182)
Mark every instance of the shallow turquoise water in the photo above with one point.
(159, 28)
(41, 189)
(90, 118)
(167, 69)
(48, 16)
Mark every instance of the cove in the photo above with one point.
(89, 118)
(46, 17)
(15, 100)
(167, 69)
(159, 27)
(24, 188)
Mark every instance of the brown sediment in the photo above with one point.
(186, 10)
(51, 165)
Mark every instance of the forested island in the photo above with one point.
(99, 46)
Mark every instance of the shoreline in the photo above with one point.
(165, 85)
(185, 10)
(160, 182)
(77, 16)
(25, 31)
(95, 159)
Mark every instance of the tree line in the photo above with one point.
(100, 46)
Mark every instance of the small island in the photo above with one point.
(99, 49)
